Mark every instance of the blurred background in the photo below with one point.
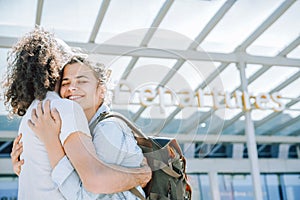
(223, 76)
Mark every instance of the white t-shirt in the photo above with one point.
(35, 179)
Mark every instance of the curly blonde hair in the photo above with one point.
(33, 69)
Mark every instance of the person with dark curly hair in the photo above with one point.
(33, 74)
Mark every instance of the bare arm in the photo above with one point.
(81, 153)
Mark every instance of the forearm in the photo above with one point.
(68, 182)
(96, 176)
(115, 178)
(55, 151)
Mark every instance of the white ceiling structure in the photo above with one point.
(214, 46)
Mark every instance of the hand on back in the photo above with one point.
(45, 123)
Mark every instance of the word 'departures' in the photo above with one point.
(156, 95)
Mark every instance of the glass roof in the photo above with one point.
(189, 53)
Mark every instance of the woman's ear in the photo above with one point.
(102, 90)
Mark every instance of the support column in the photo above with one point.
(251, 141)
(214, 185)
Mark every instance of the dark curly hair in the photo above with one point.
(33, 69)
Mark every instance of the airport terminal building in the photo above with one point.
(222, 77)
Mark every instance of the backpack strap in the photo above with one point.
(137, 132)
(137, 193)
(105, 115)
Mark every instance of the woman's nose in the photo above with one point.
(72, 87)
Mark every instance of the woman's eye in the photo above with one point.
(64, 84)
(81, 82)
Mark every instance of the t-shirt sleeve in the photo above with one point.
(72, 117)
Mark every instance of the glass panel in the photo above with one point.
(269, 126)
(149, 71)
(238, 187)
(74, 23)
(296, 106)
(251, 69)
(230, 80)
(258, 115)
(271, 187)
(231, 31)
(185, 18)
(3, 69)
(124, 17)
(271, 78)
(205, 187)
(292, 127)
(117, 64)
(17, 17)
(295, 53)
(8, 188)
(291, 185)
(195, 183)
(279, 35)
(235, 128)
(291, 90)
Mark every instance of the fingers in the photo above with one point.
(144, 162)
(55, 115)
(39, 113)
(17, 140)
(146, 176)
(31, 124)
(47, 107)
(39, 109)
(16, 151)
(34, 116)
(17, 167)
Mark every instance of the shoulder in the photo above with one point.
(113, 126)
(65, 105)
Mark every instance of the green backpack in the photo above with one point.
(164, 156)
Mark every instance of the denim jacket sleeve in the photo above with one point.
(69, 183)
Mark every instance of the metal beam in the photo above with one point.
(290, 47)
(39, 11)
(231, 139)
(276, 129)
(156, 22)
(99, 20)
(278, 88)
(203, 118)
(219, 165)
(3, 146)
(264, 68)
(7, 42)
(7, 135)
(208, 80)
(211, 24)
(231, 121)
(286, 83)
(218, 16)
(274, 114)
(209, 139)
(251, 140)
(266, 24)
(214, 185)
(235, 166)
(165, 80)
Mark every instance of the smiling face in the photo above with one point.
(80, 84)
